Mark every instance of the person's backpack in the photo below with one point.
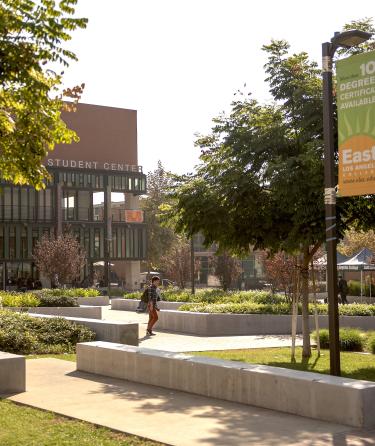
(142, 306)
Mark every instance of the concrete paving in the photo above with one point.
(175, 342)
(172, 417)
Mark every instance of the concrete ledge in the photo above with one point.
(110, 331)
(82, 312)
(132, 304)
(217, 324)
(313, 395)
(12, 373)
(93, 301)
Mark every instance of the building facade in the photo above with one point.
(93, 192)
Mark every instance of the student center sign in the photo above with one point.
(356, 128)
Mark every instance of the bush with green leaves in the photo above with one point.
(351, 339)
(24, 334)
(22, 300)
(371, 342)
(71, 292)
(57, 301)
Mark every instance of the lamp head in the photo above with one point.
(348, 39)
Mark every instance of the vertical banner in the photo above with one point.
(356, 124)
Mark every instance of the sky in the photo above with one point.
(179, 62)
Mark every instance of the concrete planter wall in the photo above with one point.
(216, 324)
(111, 331)
(85, 312)
(132, 304)
(93, 301)
(12, 373)
(329, 398)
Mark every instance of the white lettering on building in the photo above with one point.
(95, 165)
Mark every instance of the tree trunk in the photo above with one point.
(306, 351)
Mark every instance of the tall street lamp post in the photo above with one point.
(345, 39)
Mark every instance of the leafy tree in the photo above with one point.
(160, 238)
(354, 241)
(31, 101)
(227, 268)
(176, 261)
(260, 181)
(61, 259)
(280, 271)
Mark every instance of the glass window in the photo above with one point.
(69, 204)
(136, 183)
(84, 201)
(16, 214)
(23, 243)
(96, 242)
(130, 187)
(32, 213)
(1, 241)
(12, 242)
(98, 206)
(118, 206)
(24, 203)
(48, 204)
(7, 203)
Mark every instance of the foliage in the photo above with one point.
(280, 271)
(354, 288)
(353, 365)
(32, 34)
(371, 343)
(57, 301)
(60, 258)
(49, 429)
(20, 300)
(227, 268)
(160, 238)
(355, 240)
(351, 339)
(21, 333)
(176, 261)
(251, 306)
(72, 292)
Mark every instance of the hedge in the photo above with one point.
(23, 334)
(212, 296)
(351, 339)
(71, 292)
(18, 299)
(275, 308)
(23, 300)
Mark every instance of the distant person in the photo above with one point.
(343, 289)
(153, 298)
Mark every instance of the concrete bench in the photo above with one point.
(313, 395)
(110, 331)
(132, 304)
(218, 324)
(12, 373)
(93, 301)
(81, 312)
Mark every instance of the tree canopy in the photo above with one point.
(32, 34)
(260, 182)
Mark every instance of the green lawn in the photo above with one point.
(25, 426)
(353, 365)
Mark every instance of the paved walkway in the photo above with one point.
(176, 342)
(171, 417)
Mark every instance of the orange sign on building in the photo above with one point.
(133, 216)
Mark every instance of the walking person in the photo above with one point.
(153, 298)
(343, 289)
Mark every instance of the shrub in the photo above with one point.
(351, 339)
(354, 288)
(371, 342)
(21, 333)
(71, 292)
(238, 308)
(57, 301)
(19, 299)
